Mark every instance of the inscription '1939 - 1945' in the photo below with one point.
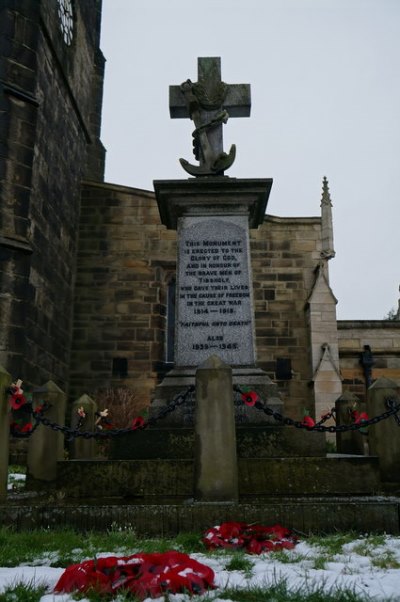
(214, 296)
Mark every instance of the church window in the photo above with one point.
(66, 17)
(170, 331)
(283, 370)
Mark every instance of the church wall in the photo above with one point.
(19, 31)
(383, 336)
(126, 259)
(285, 253)
(50, 123)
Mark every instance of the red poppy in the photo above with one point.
(17, 400)
(308, 422)
(27, 427)
(359, 417)
(249, 398)
(137, 423)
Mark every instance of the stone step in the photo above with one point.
(307, 515)
(174, 479)
(252, 442)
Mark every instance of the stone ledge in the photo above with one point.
(306, 515)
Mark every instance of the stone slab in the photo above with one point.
(310, 516)
(158, 479)
(252, 442)
(215, 309)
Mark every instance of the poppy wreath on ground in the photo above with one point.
(254, 539)
(143, 575)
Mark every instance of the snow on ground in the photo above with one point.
(353, 568)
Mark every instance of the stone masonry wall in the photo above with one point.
(49, 124)
(125, 261)
(285, 253)
(18, 111)
(383, 336)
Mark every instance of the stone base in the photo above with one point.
(179, 379)
(157, 481)
(252, 442)
(307, 515)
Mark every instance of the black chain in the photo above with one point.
(325, 417)
(394, 409)
(104, 434)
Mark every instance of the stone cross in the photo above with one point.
(209, 103)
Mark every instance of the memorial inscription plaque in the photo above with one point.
(214, 294)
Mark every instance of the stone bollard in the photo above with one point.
(81, 448)
(46, 446)
(384, 437)
(349, 442)
(216, 469)
(5, 382)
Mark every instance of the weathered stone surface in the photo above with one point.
(215, 461)
(82, 448)
(209, 101)
(383, 336)
(252, 442)
(215, 313)
(319, 515)
(384, 439)
(50, 111)
(5, 382)
(46, 446)
(168, 479)
(348, 442)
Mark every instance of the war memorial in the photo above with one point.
(220, 317)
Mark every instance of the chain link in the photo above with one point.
(394, 409)
(104, 434)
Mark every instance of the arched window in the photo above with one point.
(170, 331)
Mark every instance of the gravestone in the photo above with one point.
(212, 214)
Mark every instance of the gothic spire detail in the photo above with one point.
(327, 250)
(326, 197)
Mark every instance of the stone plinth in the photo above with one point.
(214, 308)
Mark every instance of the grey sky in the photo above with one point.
(325, 85)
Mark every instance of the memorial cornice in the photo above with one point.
(214, 195)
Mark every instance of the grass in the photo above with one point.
(387, 560)
(60, 548)
(240, 562)
(21, 592)
(279, 592)
(333, 544)
(64, 547)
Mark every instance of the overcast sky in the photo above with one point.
(325, 87)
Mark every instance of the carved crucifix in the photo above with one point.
(209, 103)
